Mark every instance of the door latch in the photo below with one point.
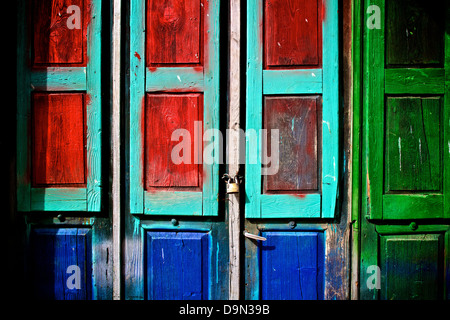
(253, 236)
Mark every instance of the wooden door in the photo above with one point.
(59, 167)
(405, 189)
(292, 88)
(175, 231)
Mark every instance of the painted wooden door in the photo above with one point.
(292, 168)
(406, 158)
(59, 180)
(175, 242)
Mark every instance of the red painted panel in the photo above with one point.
(292, 33)
(58, 39)
(58, 156)
(174, 32)
(296, 120)
(164, 114)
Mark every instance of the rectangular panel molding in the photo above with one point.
(59, 126)
(292, 85)
(174, 86)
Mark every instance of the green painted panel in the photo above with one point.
(413, 148)
(414, 32)
(412, 266)
(415, 81)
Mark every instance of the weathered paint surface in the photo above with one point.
(292, 265)
(290, 46)
(178, 265)
(166, 113)
(58, 156)
(405, 112)
(63, 64)
(61, 263)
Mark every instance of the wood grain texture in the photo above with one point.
(174, 32)
(292, 33)
(292, 265)
(412, 267)
(413, 144)
(58, 156)
(177, 265)
(414, 32)
(52, 251)
(296, 119)
(54, 42)
(166, 113)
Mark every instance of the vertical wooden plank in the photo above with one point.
(137, 87)
(211, 103)
(116, 148)
(234, 147)
(174, 33)
(254, 109)
(446, 115)
(58, 156)
(23, 124)
(373, 104)
(356, 91)
(93, 107)
(292, 33)
(330, 109)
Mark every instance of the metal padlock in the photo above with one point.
(233, 185)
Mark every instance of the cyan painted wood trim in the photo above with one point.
(137, 102)
(178, 203)
(254, 108)
(94, 109)
(414, 81)
(187, 79)
(58, 199)
(290, 206)
(330, 112)
(23, 144)
(211, 106)
(59, 79)
(294, 81)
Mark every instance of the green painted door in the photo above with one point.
(405, 149)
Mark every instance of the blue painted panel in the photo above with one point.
(292, 265)
(177, 265)
(60, 266)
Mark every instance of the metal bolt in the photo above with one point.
(413, 226)
(174, 222)
(292, 224)
(61, 217)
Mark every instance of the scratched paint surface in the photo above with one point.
(54, 41)
(292, 33)
(174, 32)
(177, 265)
(296, 119)
(292, 265)
(53, 252)
(413, 145)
